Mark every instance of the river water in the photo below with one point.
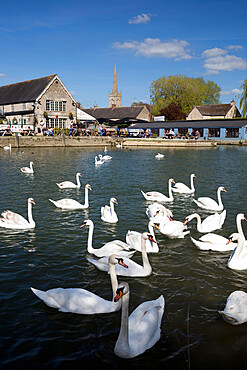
(195, 284)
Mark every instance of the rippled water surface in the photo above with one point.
(195, 284)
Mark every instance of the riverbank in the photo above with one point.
(58, 141)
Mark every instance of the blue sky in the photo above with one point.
(81, 41)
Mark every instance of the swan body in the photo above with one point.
(133, 239)
(105, 157)
(98, 161)
(108, 214)
(134, 269)
(69, 184)
(12, 220)
(71, 204)
(173, 229)
(119, 145)
(238, 258)
(105, 150)
(157, 213)
(159, 197)
(28, 169)
(210, 223)
(159, 156)
(82, 301)
(235, 311)
(181, 188)
(115, 246)
(141, 330)
(7, 147)
(211, 204)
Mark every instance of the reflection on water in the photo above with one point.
(195, 283)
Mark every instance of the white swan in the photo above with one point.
(82, 301)
(210, 223)
(98, 161)
(105, 150)
(238, 258)
(211, 204)
(119, 145)
(181, 188)
(12, 220)
(159, 156)
(216, 242)
(115, 246)
(141, 330)
(172, 229)
(7, 147)
(235, 311)
(69, 184)
(159, 197)
(105, 157)
(71, 204)
(28, 169)
(133, 239)
(134, 269)
(157, 213)
(108, 214)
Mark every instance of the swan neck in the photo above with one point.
(151, 230)
(239, 227)
(145, 260)
(219, 198)
(170, 190)
(86, 204)
(199, 222)
(192, 183)
(123, 338)
(239, 248)
(78, 181)
(29, 214)
(90, 248)
(113, 276)
(112, 207)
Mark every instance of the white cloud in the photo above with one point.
(151, 48)
(141, 18)
(232, 92)
(224, 63)
(213, 52)
(234, 47)
(2, 75)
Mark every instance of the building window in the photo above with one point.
(56, 106)
(213, 132)
(57, 122)
(232, 132)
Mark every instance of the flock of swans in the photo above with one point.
(142, 329)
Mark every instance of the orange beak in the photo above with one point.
(118, 296)
(229, 241)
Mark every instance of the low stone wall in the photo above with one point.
(81, 141)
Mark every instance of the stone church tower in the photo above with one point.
(115, 98)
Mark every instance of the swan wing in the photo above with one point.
(66, 203)
(80, 301)
(66, 184)
(133, 239)
(145, 325)
(179, 187)
(13, 218)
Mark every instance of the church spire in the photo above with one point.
(114, 86)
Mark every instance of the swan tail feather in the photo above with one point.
(45, 297)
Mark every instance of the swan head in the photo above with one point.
(114, 200)
(221, 188)
(171, 181)
(234, 237)
(88, 187)
(79, 174)
(147, 236)
(123, 288)
(190, 217)
(241, 216)
(31, 163)
(31, 200)
(193, 175)
(87, 223)
(114, 259)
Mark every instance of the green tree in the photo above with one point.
(243, 100)
(183, 91)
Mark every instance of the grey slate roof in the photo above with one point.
(22, 92)
(115, 113)
(215, 109)
(211, 123)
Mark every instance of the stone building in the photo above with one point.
(115, 98)
(214, 111)
(38, 103)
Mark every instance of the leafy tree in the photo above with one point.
(183, 91)
(243, 100)
(173, 112)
